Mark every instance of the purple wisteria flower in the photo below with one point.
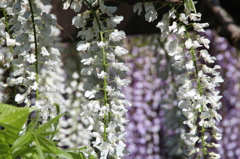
(154, 118)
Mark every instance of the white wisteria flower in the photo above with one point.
(90, 94)
(117, 19)
(189, 65)
(189, 43)
(199, 26)
(19, 98)
(87, 61)
(195, 16)
(151, 15)
(183, 18)
(204, 53)
(204, 41)
(79, 21)
(82, 46)
(44, 52)
(173, 28)
(102, 44)
(122, 82)
(119, 51)
(87, 71)
(31, 58)
(102, 75)
(11, 42)
(163, 25)
(137, 7)
(119, 66)
(116, 35)
(199, 100)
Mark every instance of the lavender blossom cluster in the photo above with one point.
(155, 122)
(152, 118)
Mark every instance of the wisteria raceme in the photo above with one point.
(198, 87)
(152, 130)
(91, 91)
(21, 71)
(227, 58)
(51, 72)
(144, 118)
(73, 131)
(5, 55)
(199, 99)
(30, 50)
(105, 109)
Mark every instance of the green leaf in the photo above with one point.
(57, 107)
(83, 148)
(91, 157)
(190, 6)
(5, 156)
(14, 116)
(5, 152)
(39, 149)
(12, 119)
(48, 133)
(22, 140)
(78, 155)
(45, 126)
(58, 113)
(50, 147)
(10, 133)
(26, 152)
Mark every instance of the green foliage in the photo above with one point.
(5, 152)
(189, 6)
(12, 119)
(48, 124)
(80, 155)
(35, 143)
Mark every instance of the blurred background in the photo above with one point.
(155, 128)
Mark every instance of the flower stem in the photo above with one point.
(36, 47)
(200, 92)
(105, 65)
(37, 118)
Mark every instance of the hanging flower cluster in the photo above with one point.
(155, 123)
(35, 78)
(105, 110)
(30, 49)
(73, 128)
(227, 58)
(199, 99)
(145, 121)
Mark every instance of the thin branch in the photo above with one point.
(229, 29)
(62, 29)
(142, 1)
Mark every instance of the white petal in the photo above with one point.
(19, 98)
(82, 46)
(44, 52)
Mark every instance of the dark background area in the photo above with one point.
(134, 24)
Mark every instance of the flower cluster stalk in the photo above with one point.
(35, 45)
(104, 61)
(197, 94)
(102, 51)
(199, 86)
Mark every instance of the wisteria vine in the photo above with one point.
(32, 75)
